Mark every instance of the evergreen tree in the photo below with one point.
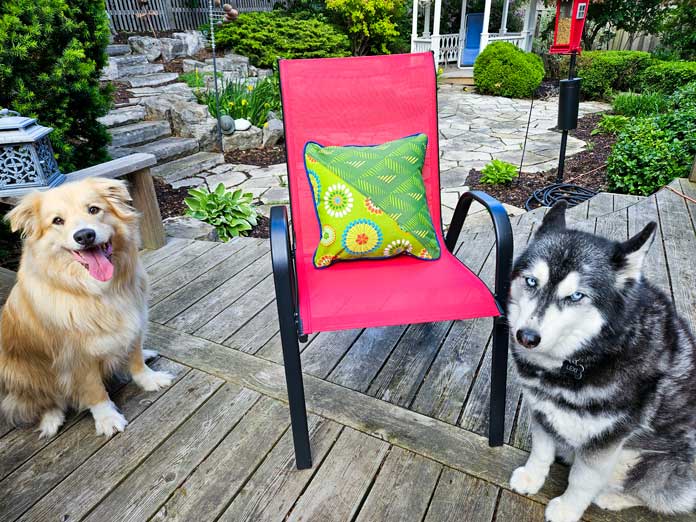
(51, 55)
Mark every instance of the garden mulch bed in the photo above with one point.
(171, 203)
(586, 169)
(10, 244)
(258, 157)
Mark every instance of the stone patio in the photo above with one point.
(474, 129)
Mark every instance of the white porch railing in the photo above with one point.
(517, 39)
(421, 45)
(449, 48)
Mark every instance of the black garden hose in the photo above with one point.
(550, 194)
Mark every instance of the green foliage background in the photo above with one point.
(51, 55)
(652, 151)
(266, 36)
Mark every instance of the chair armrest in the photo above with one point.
(503, 238)
(282, 260)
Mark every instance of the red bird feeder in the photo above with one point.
(570, 20)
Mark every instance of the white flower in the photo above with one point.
(338, 200)
(398, 246)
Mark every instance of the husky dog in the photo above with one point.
(609, 374)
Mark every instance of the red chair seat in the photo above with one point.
(401, 290)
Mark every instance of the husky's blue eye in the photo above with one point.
(576, 296)
(531, 281)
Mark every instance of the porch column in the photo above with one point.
(503, 20)
(414, 26)
(436, 32)
(530, 19)
(462, 26)
(486, 21)
(426, 30)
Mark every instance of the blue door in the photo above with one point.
(472, 42)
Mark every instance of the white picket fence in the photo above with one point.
(168, 15)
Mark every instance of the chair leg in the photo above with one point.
(496, 421)
(296, 397)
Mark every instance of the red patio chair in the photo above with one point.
(368, 101)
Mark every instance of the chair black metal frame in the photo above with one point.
(285, 278)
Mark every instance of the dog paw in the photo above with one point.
(51, 421)
(526, 483)
(107, 419)
(560, 510)
(150, 380)
(614, 501)
(149, 354)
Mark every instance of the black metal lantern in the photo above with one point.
(26, 155)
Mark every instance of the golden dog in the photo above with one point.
(79, 309)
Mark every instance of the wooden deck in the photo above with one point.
(397, 414)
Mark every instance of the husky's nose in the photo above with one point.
(528, 338)
(85, 237)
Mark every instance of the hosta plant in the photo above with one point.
(498, 171)
(231, 213)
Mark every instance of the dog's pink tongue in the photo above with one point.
(99, 266)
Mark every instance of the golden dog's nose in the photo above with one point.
(84, 236)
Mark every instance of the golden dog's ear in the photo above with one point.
(116, 193)
(25, 216)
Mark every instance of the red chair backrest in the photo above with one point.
(355, 101)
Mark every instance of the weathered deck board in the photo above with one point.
(173, 245)
(275, 486)
(216, 299)
(212, 486)
(171, 282)
(104, 469)
(514, 508)
(336, 492)
(680, 249)
(186, 296)
(402, 489)
(228, 454)
(459, 497)
(170, 264)
(68, 450)
(157, 477)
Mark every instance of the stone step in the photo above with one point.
(151, 80)
(139, 133)
(188, 166)
(123, 116)
(128, 60)
(169, 149)
(139, 69)
(117, 49)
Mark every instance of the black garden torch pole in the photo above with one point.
(568, 104)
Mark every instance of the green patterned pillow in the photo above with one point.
(371, 201)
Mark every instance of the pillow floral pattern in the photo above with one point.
(370, 201)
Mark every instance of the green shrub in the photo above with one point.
(504, 70)
(51, 56)
(231, 213)
(194, 79)
(611, 124)
(372, 25)
(650, 152)
(667, 77)
(497, 172)
(646, 104)
(266, 36)
(606, 72)
(242, 100)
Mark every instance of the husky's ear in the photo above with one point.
(629, 255)
(25, 216)
(554, 220)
